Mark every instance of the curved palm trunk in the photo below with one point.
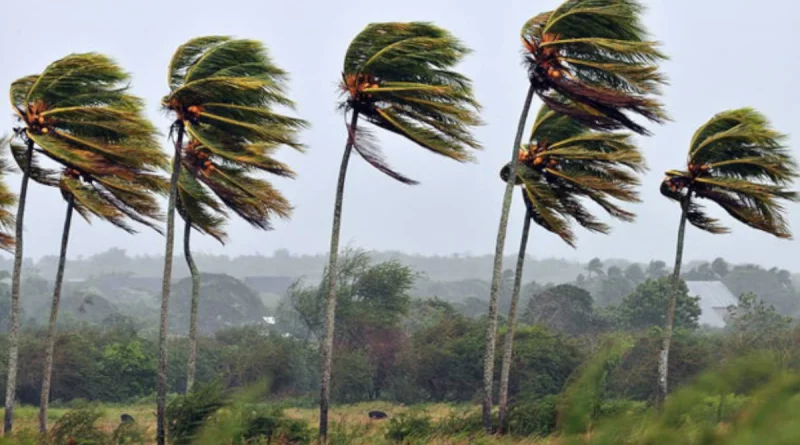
(491, 329)
(330, 310)
(508, 346)
(663, 356)
(51, 330)
(161, 398)
(16, 276)
(187, 253)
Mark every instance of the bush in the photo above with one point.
(260, 423)
(187, 414)
(533, 418)
(409, 425)
(128, 434)
(79, 427)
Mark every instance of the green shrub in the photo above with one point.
(533, 418)
(620, 407)
(269, 424)
(469, 423)
(129, 434)
(408, 426)
(79, 427)
(187, 414)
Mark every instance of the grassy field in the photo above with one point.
(350, 424)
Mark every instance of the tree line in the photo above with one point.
(591, 63)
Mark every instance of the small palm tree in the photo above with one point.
(78, 113)
(398, 77)
(223, 92)
(591, 60)
(205, 175)
(739, 163)
(564, 164)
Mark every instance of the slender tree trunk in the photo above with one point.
(187, 253)
(16, 277)
(51, 330)
(161, 398)
(330, 310)
(491, 329)
(508, 346)
(663, 356)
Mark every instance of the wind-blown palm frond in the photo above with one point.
(205, 175)
(398, 76)
(565, 163)
(591, 59)
(223, 91)
(7, 202)
(738, 162)
(79, 114)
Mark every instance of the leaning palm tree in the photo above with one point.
(76, 112)
(588, 59)
(208, 187)
(565, 163)
(112, 198)
(398, 77)
(739, 163)
(223, 92)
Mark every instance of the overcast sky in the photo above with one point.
(724, 54)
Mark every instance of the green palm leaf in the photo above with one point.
(739, 162)
(398, 77)
(592, 60)
(565, 163)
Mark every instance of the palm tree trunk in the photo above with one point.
(663, 356)
(51, 330)
(161, 397)
(187, 253)
(508, 347)
(16, 277)
(491, 329)
(330, 311)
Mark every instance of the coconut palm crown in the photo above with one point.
(738, 162)
(209, 187)
(398, 77)
(591, 59)
(78, 113)
(565, 162)
(223, 91)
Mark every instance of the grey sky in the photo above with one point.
(725, 54)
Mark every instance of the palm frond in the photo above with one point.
(595, 53)
(738, 162)
(399, 77)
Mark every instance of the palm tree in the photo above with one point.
(739, 163)
(205, 175)
(77, 113)
(564, 163)
(588, 59)
(398, 77)
(222, 93)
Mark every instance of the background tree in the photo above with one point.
(657, 269)
(720, 267)
(635, 274)
(595, 267)
(644, 307)
(564, 308)
(397, 76)
(739, 163)
(222, 93)
(564, 163)
(77, 112)
(589, 59)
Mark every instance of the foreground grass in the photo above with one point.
(350, 424)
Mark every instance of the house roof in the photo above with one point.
(715, 298)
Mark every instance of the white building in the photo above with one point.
(715, 299)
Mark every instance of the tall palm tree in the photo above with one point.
(205, 175)
(565, 163)
(223, 92)
(398, 77)
(76, 112)
(111, 198)
(588, 59)
(737, 161)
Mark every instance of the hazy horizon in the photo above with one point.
(714, 66)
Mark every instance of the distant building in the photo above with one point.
(715, 301)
